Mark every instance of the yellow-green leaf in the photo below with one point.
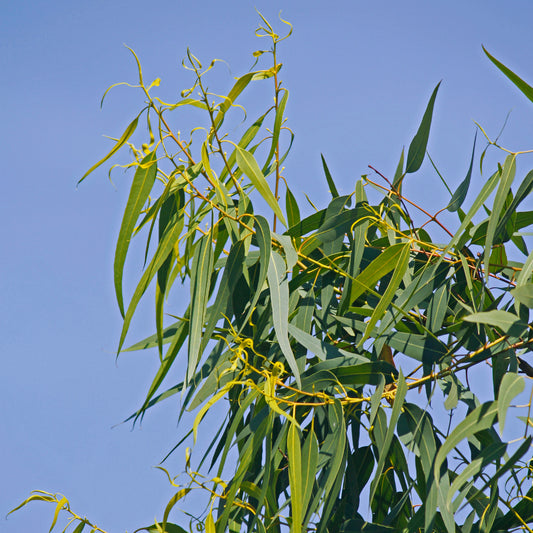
(295, 478)
(121, 142)
(249, 166)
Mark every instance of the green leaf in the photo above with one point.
(420, 347)
(507, 322)
(309, 466)
(399, 270)
(279, 295)
(519, 82)
(79, 527)
(415, 430)
(331, 184)
(294, 453)
(383, 264)
(417, 148)
(460, 193)
(511, 386)
(264, 241)
(479, 419)
(491, 454)
(166, 246)
(249, 166)
(524, 294)
(235, 91)
(291, 206)
(278, 120)
(399, 174)
(507, 177)
(141, 186)
(202, 268)
(121, 142)
(323, 350)
(401, 391)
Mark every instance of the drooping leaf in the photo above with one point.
(399, 397)
(119, 144)
(279, 294)
(141, 186)
(519, 82)
(201, 271)
(295, 478)
(511, 386)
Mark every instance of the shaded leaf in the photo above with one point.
(460, 193)
(519, 82)
(417, 148)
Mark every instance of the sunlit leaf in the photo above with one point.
(279, 293)
(119, 144)
(511, 386)
(143, 182)
(249, 166)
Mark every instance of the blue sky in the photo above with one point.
(359, 74)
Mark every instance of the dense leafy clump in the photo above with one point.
(340, 342)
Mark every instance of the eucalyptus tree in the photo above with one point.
(337, 345)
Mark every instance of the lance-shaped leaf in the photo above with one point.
(249, 166)
(508, 173)
(309, 464)
(383, 264)
(460, 193)
(294, 453)
(386, 299)
(519, 82)
(401, 391)
(479, 419)
(510, 387)
(331, 183)
(278, 120)
(264, 241)
(279, 296)
(121, 142)
(143, 182)
(202, 268)
(166, 246)
(417, 148)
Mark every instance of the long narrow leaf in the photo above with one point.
(519, 82)
(417, 148)
(143, 182)
(119, 144)
(279, 295)
(249, 166)
(201, 271)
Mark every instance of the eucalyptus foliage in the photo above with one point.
(346, 349)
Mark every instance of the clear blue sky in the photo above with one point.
(360, 75)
